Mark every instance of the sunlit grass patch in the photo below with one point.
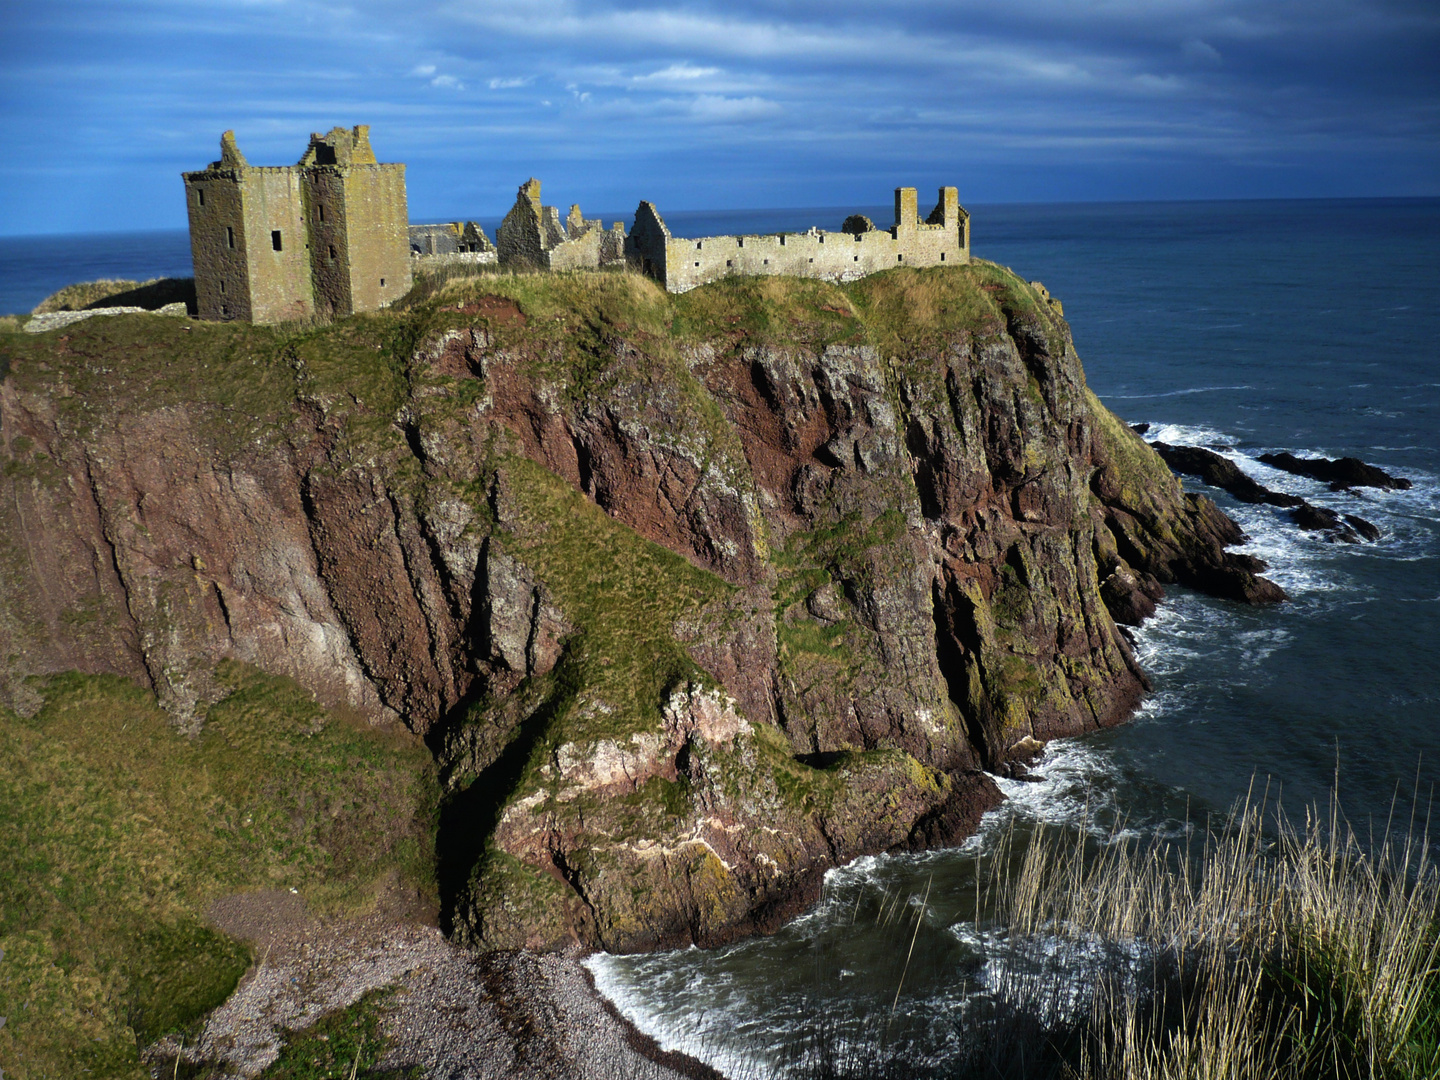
(116, 832)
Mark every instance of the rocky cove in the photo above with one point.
(690, 598)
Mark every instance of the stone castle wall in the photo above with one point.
(681, 265)
(217, 246)
(326, 236)
(533, 237)
(331, 236)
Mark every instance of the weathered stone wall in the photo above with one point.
(840, 256)
(647, 247)
(329, 247)
(279, 266)
(215, 207)
(379, 263)
(420, 263)
(520, 239)
(533, 237)
(327, 235)
(595, 248)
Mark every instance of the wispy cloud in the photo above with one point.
(706, 100)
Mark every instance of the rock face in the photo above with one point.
(693, 597)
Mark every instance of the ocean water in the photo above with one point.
(1309, 326)
(1306, 326)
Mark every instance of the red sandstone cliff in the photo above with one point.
(693, 597)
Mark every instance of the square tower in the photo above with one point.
(358, 221)
(326, 236)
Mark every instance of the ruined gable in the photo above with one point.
(532, 237)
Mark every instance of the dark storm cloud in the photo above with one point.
(717, 104)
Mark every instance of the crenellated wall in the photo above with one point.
(681, 265)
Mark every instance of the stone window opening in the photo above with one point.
(200, 196)
(767, 262)
(942, 256)
(697, 247)
(729, 262)
(739, 241)
(697, 264)
(857, 258)
(224, 312)
(382, 282)
(275, 240)
(900, 258)
(782, 239)
(222, 285)
(822, 238)
(812, 260)
(320, 210)
(229, 236)
(332, 253)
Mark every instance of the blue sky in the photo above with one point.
(721, 104)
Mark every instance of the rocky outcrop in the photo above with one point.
(1345, 472)
(1223, 473)
(693, 597)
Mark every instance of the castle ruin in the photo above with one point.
(858, 250)
(326, 236)
(331, 236)
(533, 237)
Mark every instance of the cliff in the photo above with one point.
(692, 597)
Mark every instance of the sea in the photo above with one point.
(1311, 326)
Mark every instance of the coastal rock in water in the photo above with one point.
(1321, 518)
(1346, 471)
(693, 596)
(1363, 527)
(1221, 472)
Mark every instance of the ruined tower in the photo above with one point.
(326, 236)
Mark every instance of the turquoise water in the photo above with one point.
(1309, 326)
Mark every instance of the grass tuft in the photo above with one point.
(1283, 952)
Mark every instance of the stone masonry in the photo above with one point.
(856, 251)
(330, 236)
(532, 237)
(326, 236)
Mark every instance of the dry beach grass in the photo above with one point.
(1273, 950)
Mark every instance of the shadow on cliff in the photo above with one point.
(470, 815)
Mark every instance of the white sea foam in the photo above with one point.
(685, 1011)
(1308, 562)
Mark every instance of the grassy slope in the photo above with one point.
(118, 832)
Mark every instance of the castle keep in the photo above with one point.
(326, 236)
(331, 236)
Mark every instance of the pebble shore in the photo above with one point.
(453, 1014)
